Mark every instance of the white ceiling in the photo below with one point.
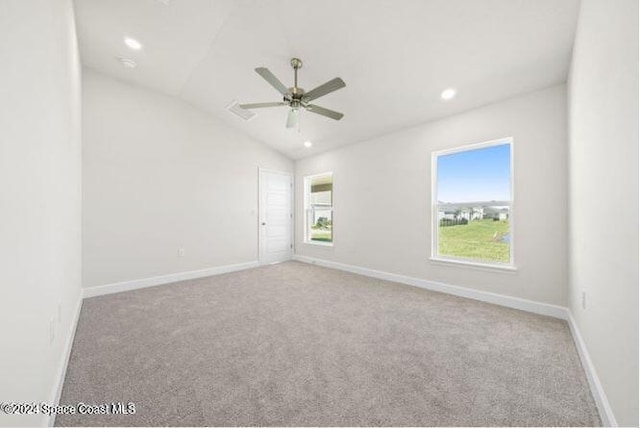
(396, 57)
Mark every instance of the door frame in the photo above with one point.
(259, 216)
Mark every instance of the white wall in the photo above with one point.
(603, 105)
(159, 175)
(382, 197)
(40, 205)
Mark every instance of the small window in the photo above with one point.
(473, 204)
(319, 209)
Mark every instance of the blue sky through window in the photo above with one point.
(475, 175)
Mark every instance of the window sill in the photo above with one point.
(474, 265)
(319, 243)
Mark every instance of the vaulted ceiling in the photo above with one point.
(396, 57)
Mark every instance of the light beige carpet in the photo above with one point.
(297, 344)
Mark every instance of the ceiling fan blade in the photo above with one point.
(324, 112)
(292, 118)
(272, 79)
(324, 89)
(261, 105)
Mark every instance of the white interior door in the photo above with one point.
(276, 216)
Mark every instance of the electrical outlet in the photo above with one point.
(583, 298)
(52, 329)
(181, 252)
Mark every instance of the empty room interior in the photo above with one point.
(319, 213)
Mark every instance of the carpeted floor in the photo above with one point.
(297, 344)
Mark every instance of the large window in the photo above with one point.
(318, 201)
(473, 204)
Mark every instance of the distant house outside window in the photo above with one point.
(472, 201)
(319, 208)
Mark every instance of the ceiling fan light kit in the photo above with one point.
(295, 97)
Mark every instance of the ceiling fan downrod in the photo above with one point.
(296, 63)
(296, 93)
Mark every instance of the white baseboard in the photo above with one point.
(64, 362)
(484, 296)
(602, 403)
(599, 396)
(118, 287)
(604, 408)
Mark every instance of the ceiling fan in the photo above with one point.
(296, 98)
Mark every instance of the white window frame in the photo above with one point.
(483, 264)
(306, 208)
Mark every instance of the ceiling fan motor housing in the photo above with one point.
(295, 98)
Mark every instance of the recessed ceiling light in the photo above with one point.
(128, 62)
(133, 43)
(308, 144)
(447, 94)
